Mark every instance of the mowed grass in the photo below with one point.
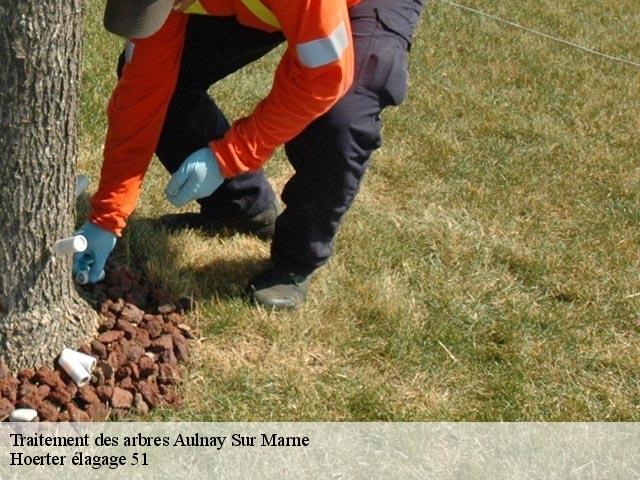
(489, 269)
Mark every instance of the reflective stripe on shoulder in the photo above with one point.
(323, 51)
(128, 51)
(262, 12)
(191, 7)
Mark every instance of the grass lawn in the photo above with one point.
(489, 269)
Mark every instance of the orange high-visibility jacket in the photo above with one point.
(314, 72)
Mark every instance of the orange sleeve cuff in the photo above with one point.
(110, 222)
(229, 159)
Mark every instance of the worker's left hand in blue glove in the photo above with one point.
(100, 243)
(198, 177)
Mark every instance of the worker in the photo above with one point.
(343, 63)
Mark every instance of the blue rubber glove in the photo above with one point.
(100, 243)
(198, 177)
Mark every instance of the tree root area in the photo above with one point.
(141, 340)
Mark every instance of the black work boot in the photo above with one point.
(262, 225)
(278, 289)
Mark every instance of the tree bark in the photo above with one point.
(40, 310)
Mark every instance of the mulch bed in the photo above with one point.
(141, 339)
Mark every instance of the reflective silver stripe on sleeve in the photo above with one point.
(128, 51)
(323, 51)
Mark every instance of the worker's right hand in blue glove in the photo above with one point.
(198, 177)
(100, 243)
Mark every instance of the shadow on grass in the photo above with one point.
(152, 249)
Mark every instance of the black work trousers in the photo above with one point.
(329, 157)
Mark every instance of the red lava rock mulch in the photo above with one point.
(141, 339)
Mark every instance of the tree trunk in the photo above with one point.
(40, 310)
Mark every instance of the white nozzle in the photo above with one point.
(83, 277)
(82, 182)
(71, 245)
(87, 361)
(71, 364)
(23, 415)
